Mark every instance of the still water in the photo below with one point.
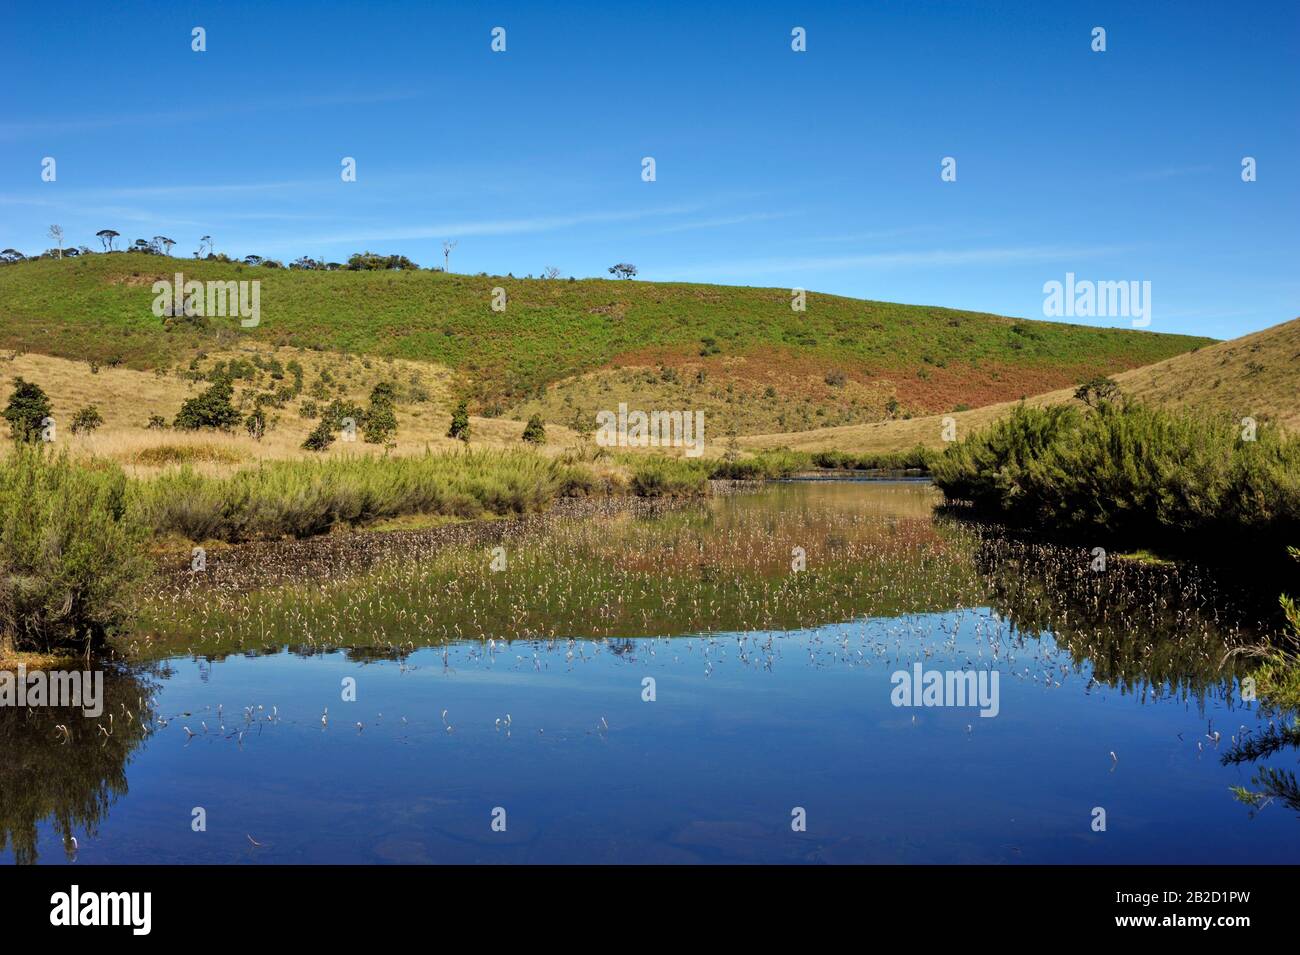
(697, 683)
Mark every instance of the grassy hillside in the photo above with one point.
(1256, 376)
(740, 354)
(126, 399)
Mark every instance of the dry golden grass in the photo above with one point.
(1256, 375)
(126, 399)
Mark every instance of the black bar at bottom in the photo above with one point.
(334, 903)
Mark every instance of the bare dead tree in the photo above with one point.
(56, 233)
(447, 246)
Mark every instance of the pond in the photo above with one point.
(820, 672)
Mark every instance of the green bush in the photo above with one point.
(1132, 473)
(535, 431)
(87, 420)
(338, 411)
(380, 419)
(460, 422)
(1278, 677)
(211, 409)
(765, 465)
(321, 436)
(28, 407)
(71, 552)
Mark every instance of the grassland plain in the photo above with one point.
(741, 354)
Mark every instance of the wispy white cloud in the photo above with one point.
(475, 227)
(24, 129)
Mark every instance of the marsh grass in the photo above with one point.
(303, 498)
(661, 475)
(165, 455)
(636, 568)
(917, 458)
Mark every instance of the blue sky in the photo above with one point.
(818, 169)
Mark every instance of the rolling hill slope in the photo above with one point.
(1257, 376)
(567, 348)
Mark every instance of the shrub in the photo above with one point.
(211, 409)
(535, 431)
(156, 422)
(1097, 390)
(460, 422)
(28, 407)
(71, 552)
(255, 424)
(761, 466)
(1279, 676)
(380, 419)
(86, 420)
(337, 413)
(320, 438)
(1134, 473)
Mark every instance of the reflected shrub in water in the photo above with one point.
(1279, 675)
(1147, 629)
(71, 554)
(60, 768)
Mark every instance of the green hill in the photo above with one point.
(568, 347)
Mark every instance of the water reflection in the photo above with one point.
(1142, 628)
(481, 686)
(66, 770)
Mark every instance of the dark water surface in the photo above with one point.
(783, 705)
